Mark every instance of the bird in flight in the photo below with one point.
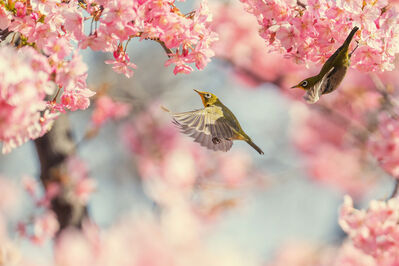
(331, 74)
(214, 127)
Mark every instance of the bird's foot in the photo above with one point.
(357, 45)
(216, 140)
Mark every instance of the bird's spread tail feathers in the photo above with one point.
(253, 145)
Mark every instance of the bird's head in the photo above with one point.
(306, 84)
(207, 98)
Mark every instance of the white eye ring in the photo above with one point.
(207, 95)
(304, 83)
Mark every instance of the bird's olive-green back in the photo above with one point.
(230, 117)
(340, 58)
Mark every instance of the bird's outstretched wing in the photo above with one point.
(207, 126)
(313, 94)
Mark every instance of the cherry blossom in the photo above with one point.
(9, 195)
(78, 178)
(304, 252)
(241, 45)
(106, 109)
(44, 224)
(310, 31)
(375, 230)
(122, 63)
(142, 239)
(328, 144)
(25, 84)
(384, 144)
(186, 37)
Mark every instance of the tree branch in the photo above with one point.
(168, 51)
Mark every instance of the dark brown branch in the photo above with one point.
(299, 3)
(53, 149)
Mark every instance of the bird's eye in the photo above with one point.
(207, 95)
(304, 83)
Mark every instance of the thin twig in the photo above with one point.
(190, 15)
(127, 43)
(388, 103)
(168, 51)
(395, 190)
(379, 85)
(249, 73)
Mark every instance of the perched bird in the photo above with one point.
(214, 126)
(331, 74)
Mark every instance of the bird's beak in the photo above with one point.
(296, 86)
(199, 92)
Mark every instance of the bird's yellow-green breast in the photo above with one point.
(211, 100)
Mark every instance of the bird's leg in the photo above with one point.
(357, 45)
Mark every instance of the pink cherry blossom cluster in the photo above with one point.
(30, 78)
(240, 45)
(303, 252)
(53, 29)
(9, 195)
(9, 202)
(384, 145)
(54, 26)
(374, 231)
(24, 86)
(79, 180)
(43, 225)
(107, 109)
(143, 239)
(310, 30)
(185, 37)
(326, 145)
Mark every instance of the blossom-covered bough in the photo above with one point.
(51, 33)
(43, 77)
